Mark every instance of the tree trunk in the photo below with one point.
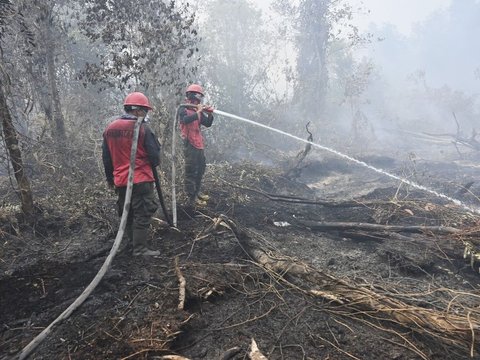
(15, 154)
(59, 121)
(312, 44)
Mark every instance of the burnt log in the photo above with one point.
(317, 225)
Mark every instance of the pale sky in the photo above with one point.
(403, 14)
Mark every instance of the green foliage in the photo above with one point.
(145, 43)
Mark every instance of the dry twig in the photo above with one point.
(182, 283)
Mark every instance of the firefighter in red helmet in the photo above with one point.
(117, 144)
(191, 120)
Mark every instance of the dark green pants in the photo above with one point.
(194, 169)
(142, 206)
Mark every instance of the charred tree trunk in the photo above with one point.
(312, 66)
(15, 154)
(47, 87)
(58, 118)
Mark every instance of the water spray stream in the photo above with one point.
(380, 171)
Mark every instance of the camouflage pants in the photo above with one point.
(194, 169)
(143, 205)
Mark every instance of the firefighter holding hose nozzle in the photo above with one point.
(191, 118)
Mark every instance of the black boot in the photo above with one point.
(140, 247)
(127, 244)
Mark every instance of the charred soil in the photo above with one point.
(341, 263)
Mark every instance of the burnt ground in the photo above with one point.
(231, 297)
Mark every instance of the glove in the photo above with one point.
(208, 108)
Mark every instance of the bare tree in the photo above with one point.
(15, 154)
(312, 41)
(8, 130)
(31, 52)
(46, 19)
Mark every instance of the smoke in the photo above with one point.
(389, 97)
(426, 80)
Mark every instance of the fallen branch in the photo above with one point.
(255, 353)
(230, 353)
(182, 283)
(315, 225)
(299, 200)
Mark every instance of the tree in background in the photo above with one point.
(37, 64)
(48, 33)
(312, 44)
(10, 19)
(147, 44)
(272, 69)
(355, 85)
(34, 57)
(325, 75)
(144, 44)
(234, 67)
(426, 76)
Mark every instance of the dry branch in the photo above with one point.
(182, 283)
(316, 225)
(255, 353)
(372, 301)
(298, 200)
(295, 170)
(230, 353)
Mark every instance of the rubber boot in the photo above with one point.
(140, 247)
(200, 203)
(203, 197)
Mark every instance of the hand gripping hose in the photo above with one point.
(108, 261)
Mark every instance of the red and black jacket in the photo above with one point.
(190, 123)
(117, 144)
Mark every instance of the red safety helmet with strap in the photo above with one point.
(195, 88)
(137, 99)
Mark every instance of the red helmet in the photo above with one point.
(137, 99)
(195, 88)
